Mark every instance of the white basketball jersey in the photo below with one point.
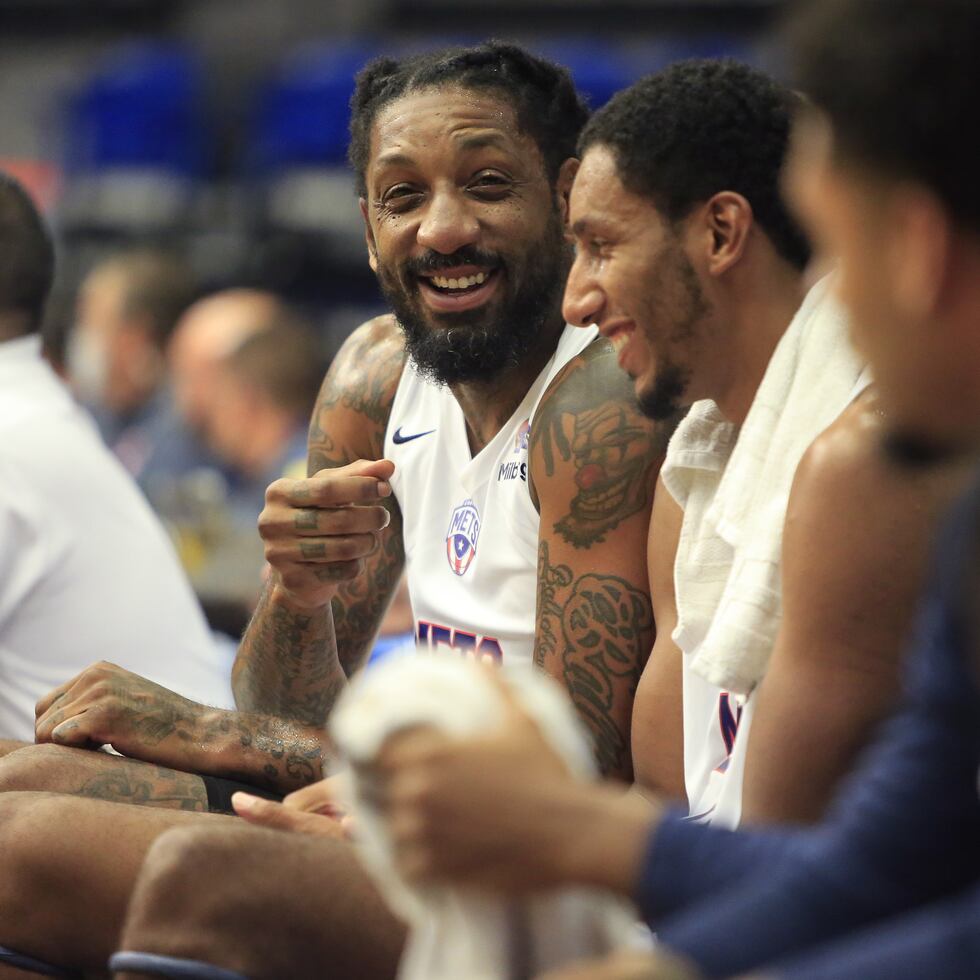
(470, 528)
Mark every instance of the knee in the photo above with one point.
(33, 768)
(185, 897)
(22, 852)
(184, 874)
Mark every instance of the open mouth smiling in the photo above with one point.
(458, 288)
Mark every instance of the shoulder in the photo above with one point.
(374, 353)
(592, 374)
(847, 462)
(354, 403)
(849, 499)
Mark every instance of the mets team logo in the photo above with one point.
(461, 538)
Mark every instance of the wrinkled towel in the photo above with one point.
(736, 548)
(455, 934)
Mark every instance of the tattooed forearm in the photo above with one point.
(145, 785)
(590, 420)
(287, 664)
(273, 752)
(596, 631)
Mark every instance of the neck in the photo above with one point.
(762, 308)
(487, 405)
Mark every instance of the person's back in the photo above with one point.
(86, 572)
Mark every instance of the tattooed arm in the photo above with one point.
(594, 461)
(323, 604)
(333, 538)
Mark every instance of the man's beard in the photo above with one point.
(478, 344)
(666, 398)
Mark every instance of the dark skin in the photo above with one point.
(322, 606)
(334, 540)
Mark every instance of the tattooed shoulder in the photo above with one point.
(588, 427)
(352, 409)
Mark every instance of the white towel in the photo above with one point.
(456, 934)
(813, 375)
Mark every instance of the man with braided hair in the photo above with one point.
(472, 438)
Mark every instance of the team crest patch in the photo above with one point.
(461, 538)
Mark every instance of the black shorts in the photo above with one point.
(220, 792)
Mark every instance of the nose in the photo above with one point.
(448, 224)
(583, 300)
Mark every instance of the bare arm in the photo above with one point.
(594, 461)
(312, 628)
(324, 545)
(854, 556)
(658, 713)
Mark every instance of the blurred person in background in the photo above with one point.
(126, 310)
(86, 572)
(261, 399)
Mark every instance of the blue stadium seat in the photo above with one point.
(298, 147)
(135, 138)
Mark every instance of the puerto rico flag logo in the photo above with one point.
(461, 538)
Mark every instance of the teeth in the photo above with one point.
(619, 340)
(465, 283)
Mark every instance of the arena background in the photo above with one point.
(217, 127)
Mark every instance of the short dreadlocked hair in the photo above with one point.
(700, 127)
(548, 107)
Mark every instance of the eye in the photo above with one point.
(401, 197)
(490, 184)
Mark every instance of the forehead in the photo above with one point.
(599, 196)
(420, 125)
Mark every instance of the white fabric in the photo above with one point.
(733, 486)
(483, 605)
(86, 571)
(810, 379)
(456, 933)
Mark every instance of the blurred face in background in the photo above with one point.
(112, 360)
(893, 241)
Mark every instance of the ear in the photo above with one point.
(369, 236)
(563, 186)
(727, 223)
(920, 253)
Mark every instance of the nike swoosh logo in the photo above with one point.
(398, 438)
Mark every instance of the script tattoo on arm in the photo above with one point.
(599, 628)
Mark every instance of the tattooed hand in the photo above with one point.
(318, 531)
(107, 705)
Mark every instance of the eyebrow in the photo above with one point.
(394, 160)
(482, 140)
(580, 226)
